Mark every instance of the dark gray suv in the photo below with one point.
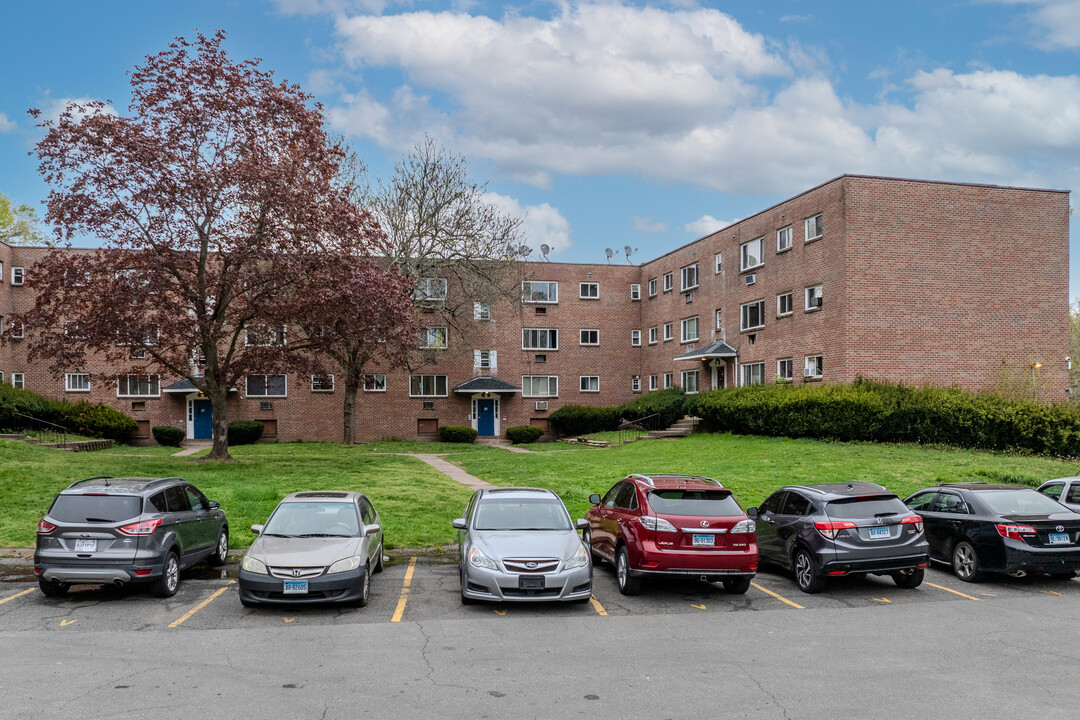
(127, 530)
(835, 529)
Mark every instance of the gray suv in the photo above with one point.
(127, 530)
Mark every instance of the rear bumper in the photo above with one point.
(1041, 560)
(344, 587)
(97, 574)
(876, 565)
(684, 572)
(651, 560)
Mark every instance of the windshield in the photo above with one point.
(707, 503)
(95, 508)
(866, 507)
(1020, 502)
(521, 514)
(313, 519)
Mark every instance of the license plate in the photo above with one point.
(879, 533)
(526, 582)
(295, 587)
(1059, 538)
(704, 540)
(86, 546)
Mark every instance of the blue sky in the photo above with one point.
(615, 124)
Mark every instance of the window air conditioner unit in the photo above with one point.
(266, 405)
(429, 405)
(541, 405)
(751, 278)
(690, 297)
(815, 301)
(809, 372)
(540, 357)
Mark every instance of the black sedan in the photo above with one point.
(980, 528)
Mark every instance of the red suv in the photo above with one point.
(665, 524)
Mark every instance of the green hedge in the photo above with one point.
(580, 419)
(245, 432)
(457, 434)
(669, 404)
(167, 435)
(519, 434)
(81, 418)
(886, 412)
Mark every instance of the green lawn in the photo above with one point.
(755, 466)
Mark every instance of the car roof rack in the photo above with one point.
(96, 477)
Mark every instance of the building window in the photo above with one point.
(17, 329)
(635, 383)
(433, 338)
(753, 373)
(751, 254)
(590, 383)
(813, 298)
(783, 304)
(688, 277)
(484, 359)
(752, 315)
(481, 311)
(535, 291)
(430, 289)
(539, 385)
(18, 380)
(635, 291)
(653, 384)
(588, 337)
(589, 291)
(669, 380)
(260, 335)
(668, 282)
(783, 369)
(652, 287)
(266, 386)
(18, 274)
(138, 386)
(814, 228)
(427, 386)
(652, 336)
(635, 338)
(812, 369)
(783, 239)
(719, 263)
(539, 339)
(669, 331)
(322, 383)
(719, 319)
(689, 330)
(375, 382)
(77, 382)
(690, 381)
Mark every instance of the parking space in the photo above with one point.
(208, 600)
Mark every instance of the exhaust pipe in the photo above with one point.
(1018, 574)
(118, 582)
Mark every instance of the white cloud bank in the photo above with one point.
(706, 225)
(6, 125)
(1054, 23)
(543, 223)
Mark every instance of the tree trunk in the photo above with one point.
(352, 389)
(220, 450)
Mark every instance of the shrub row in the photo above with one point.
(519, 434)
(167, 435)
(81, 418)
(669, 404)
(245, 432)
(457, 434)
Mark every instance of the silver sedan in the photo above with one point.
(518, 544)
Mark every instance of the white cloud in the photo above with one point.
(706, 225)
(648, 225)
(1055, 23)
(543, 223)
(796, 18)
(7, 126)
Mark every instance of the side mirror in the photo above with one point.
(594, 499)
(213, 505)
(459, 523)
(257, 529)
(582, 524)
(372, 529)
(752, 512)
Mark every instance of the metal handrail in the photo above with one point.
(49, 433)
(630, 429)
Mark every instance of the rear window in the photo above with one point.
(1019, 502)
(865, 507)
(95, 508)
(708, 503)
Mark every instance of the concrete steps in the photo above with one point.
(683, 428)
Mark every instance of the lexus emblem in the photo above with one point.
(296, 572)
(1060, 528)
(531, 565)
(704, 523)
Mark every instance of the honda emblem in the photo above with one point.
(296, 572)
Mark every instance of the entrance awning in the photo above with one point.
(485, 384)
(718, 349)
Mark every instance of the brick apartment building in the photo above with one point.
(902, 280)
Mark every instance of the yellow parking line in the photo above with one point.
(597, 606)
(781, 598)
(18, 594)
(404, 592)
(954, 592)
(200, 606)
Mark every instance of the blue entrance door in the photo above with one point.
(203, 420)
(485, 418)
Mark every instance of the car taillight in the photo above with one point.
(913, 520)
(1016, 532)
(146, 527)
(744, 526)
(655, 523)
(832, 528)
(44, 527)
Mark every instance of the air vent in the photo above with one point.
(429, 404)
(266, 405)
(689, 297)
(541, 405)
(541, 311)
(540, 357)
(751, 278)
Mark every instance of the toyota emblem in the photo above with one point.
(704, 523)
(296, 572)
(531, 565)
(1060, 528)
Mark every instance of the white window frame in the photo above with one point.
(684, 324)
(686, 375)
(780, 368)
(718, 266)
(635, 291)
(669, 380)
(428, 334)
(481, 311)
(527, 292)
(784, 239)
(589, 291)
(652, 287)
(549, 331)
(685, 281)
(323, 389)
(18, 276)
(431, 289)
(275, 336)
(653, 336)
(69, 385)
(266, 381)
(669, 331)
(719, 318)
(669, 281)
(654, 383)
(18, 380)
(583, 340)
(749, 370)
(780, 312)
(813, 363)
(744, 254)
(635, 338)
(635, 383)
(485, 360)
(527, 386)
(375, 384)
(586, 382)
(17, 330)
(811, 292)
(123, 386)
(814, 223)
(435, 386)
(742, 315)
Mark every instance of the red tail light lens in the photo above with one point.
(831, 529)
(1015, 532)
(146, 527)
(44, 527)
(913, 520)
(658, 524)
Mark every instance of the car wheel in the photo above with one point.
(586, 539)
(807, 576)
(965, 562)
(221, 551)
(737, 586)
(1063, 575)
(378, 560)
(169, 582)
(465, 600)
(365, 588)
(51, 589)
(628, 585)
(909, 579)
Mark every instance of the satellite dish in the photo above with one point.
(524, 251)
(628, 251)
(610, 253)
(545, 249)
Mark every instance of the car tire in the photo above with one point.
(807, 576)
(737, 586)
(909, 580)
(221, 549)
(965, 562)
(1063, 575)
(466, 600)
(378, 560)
(365, 589)
(169, 582)
(628, 584)
(51, 589)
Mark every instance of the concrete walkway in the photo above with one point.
(453, 471)
(193, 446)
